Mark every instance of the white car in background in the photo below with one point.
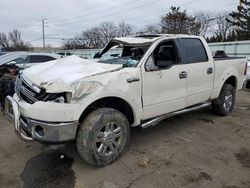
(12, 62)
(26, 59)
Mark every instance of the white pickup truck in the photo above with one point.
(96, 102)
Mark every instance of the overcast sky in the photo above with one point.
(64, 18)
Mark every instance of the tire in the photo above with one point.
(248, 84)
(103, 136)
(224, 104)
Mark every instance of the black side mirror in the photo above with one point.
(97, 55)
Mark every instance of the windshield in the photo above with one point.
(128, 56)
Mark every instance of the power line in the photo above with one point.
(90, 8)
(79, 11)
(105, 10)
(190, 2)
(40, 38)
(140, 6)
(115, 13)
(130, 2)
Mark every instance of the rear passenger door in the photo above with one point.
(200, 70)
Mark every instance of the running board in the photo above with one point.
(154, 121)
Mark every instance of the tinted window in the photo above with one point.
(165, 55)
(194, 50)
(40, 58)
(19, 61)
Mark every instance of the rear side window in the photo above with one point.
(194, 50)
(19, 61)
(40, 58)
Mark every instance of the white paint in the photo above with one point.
(60, 73)
(161, 91)
(134, 40)
(248, 70)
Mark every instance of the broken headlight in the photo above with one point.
(58, 97)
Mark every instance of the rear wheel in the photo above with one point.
(224, 104)
(103, 136)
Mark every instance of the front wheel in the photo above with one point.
(103, 136)
(224, 104)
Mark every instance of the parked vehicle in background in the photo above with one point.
(64, 54)
(26, 59)
(12, 62)
(96, 103)
(2, 53)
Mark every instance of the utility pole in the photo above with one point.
(43, 34)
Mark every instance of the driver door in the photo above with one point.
(164, 81)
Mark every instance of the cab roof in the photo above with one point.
(147, 39)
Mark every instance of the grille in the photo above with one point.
(25, 91)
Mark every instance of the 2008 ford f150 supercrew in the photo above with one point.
(95, 102)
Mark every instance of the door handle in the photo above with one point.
(210, 70)
(134, 79)
(183, 75)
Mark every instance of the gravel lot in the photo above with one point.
(197, 149)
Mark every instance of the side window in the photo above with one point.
(194, 50)
(40, 58)
(165, 55)
(19, 61)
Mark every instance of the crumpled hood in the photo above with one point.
(62, 74)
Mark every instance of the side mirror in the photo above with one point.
(97, 55)
(150, 64)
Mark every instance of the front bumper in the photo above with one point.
(45, 132)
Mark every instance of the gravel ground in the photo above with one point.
(197, 149)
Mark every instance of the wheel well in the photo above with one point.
(110, 102)
(232, 81)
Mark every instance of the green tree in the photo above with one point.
(240, 19)
(178, 22)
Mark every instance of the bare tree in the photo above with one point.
(14, 42)
(221, 28)
(124, 29)
(205, 20)
(4, 42)
(151, 29)
(97, 37)
(108, 30)
(92, 38)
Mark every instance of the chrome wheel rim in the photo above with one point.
(228, 101)
(108, 139)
